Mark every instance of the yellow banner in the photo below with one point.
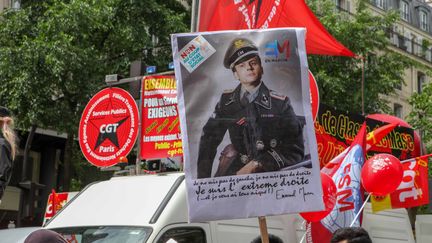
(380, 203)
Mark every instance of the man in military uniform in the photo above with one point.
(264, 130)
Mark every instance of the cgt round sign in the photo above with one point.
(109, 127)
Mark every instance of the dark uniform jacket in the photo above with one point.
(266, 130)
(5, 164)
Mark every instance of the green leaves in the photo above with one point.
(54, 54)
(421, 115)
(340, 78)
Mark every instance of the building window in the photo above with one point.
(421, 80)
(343, 5)
(404, 10)
(380, 4)
(397, 110)
(15, 4)
(424, 25)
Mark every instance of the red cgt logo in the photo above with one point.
(108, 127)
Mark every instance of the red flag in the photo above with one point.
(349, 198)
(413, 190)
(54, 201)
(260, 14)
(417, 150)
(372, 138)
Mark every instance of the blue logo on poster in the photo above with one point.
(277, 51)
(151, 69)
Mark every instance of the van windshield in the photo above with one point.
(108, 234)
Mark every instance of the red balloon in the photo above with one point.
(329, 198)
(381, 174)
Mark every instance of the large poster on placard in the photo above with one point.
(247, 129)
(160, 126)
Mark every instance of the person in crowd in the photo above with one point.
(351, 235)
(8, 148)
(272, 239)
(44, 236)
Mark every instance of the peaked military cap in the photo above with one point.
(4, 111)
(239, 49)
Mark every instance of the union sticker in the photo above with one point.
(195, 53)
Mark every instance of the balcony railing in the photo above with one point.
(400, 41)
(411, 46)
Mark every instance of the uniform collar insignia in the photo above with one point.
(263, 98)
(230, 100)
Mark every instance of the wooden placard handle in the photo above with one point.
(263, 229)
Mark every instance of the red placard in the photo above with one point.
(108, 127)
(160, 122)
(413, 190)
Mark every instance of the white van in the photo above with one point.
(152, 208)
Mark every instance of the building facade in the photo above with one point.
(411, 36)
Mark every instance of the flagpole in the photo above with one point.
(53, 201)
(362, 85)
(140, 132)
(305, 223)
(361, 209)
(195, 15)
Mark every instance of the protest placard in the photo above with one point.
(246, 121)
(160, 126)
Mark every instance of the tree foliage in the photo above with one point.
(421, 115)
(55, 54)
(366, 34)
